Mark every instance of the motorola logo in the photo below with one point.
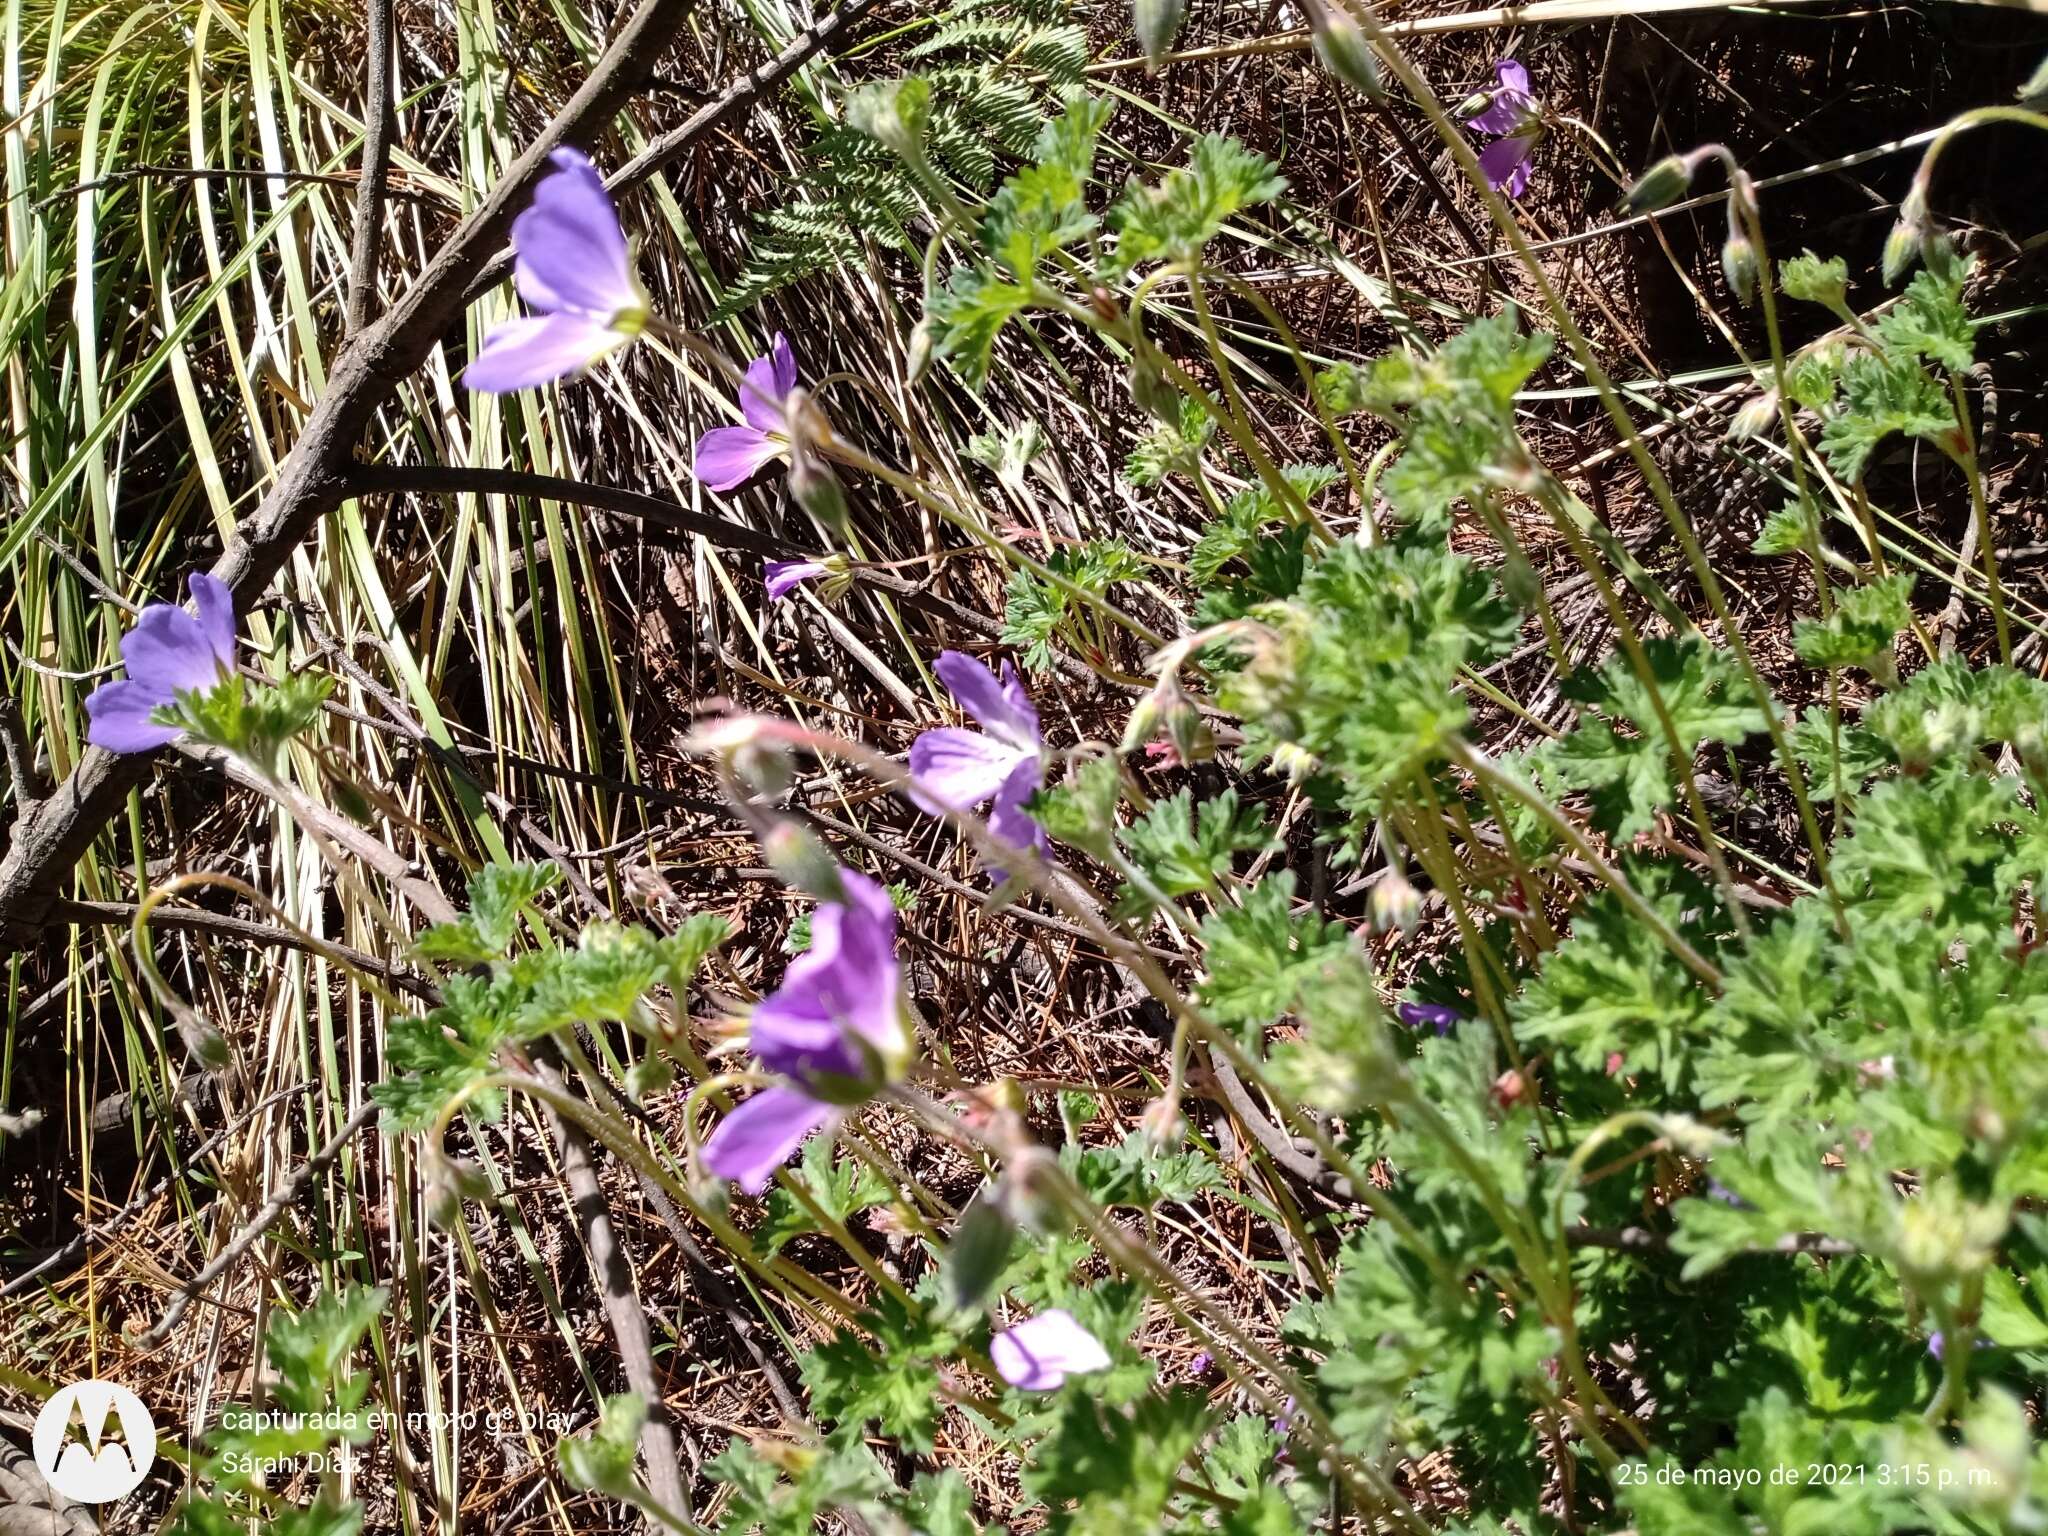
(94, 1441)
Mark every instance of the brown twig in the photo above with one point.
(742, 92)
(87, 1234)
(199, 920)
(378, 115)
(53, 837)
(279, 1202)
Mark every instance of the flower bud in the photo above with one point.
(894, 113)
(763, 768)
(1340, 44)
(1739, 264)
(1295, 763)
(1660, 186)
(1754, 417)
(1909, 236)
(982, 1240)
(803, 862)
(1157, 23)
(816, 489)
(2033, 95)
(918, 360)
(1162, 1126)
(650, 1075)
(1395, 904)
(1155, 396)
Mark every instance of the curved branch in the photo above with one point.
(53, 836)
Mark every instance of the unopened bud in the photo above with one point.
(2034, 94)
(918, 358)
(1294, 762)
(1660, 186)
(817, 489)
(763, 767)
(1157, 23)
(1739, 264)
(1162, 1126)
(1755, 416)
(1395, 904)
(650, 1075)
(1340, 44)
(982, 1240)
(1155, 396)
(805, 863)
(894, 113)
(1169, 709)
(1902, 247)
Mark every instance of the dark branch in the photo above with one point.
(223, 925)
(454, 479)
(742, 93)
(378, 115)
(53, 837)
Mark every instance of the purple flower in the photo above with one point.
(834, 1031)
(1516, 114)
(1040, 1353)
(574, 270)
(168, 652)
(785, 576)
(956, 770)
(1415, 1015)
(731, 456)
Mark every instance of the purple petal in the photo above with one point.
(770, 378)
(848, 980)
(571, 252)
(794, 1037)
(168, 651)
(536, 348)
(1003, 709)
(1435, 1015)
(956, 769)
(1509, 112)
(1505, 163)
(758, 1137)
(1007, 819)
(731, 456)
(1043, 1351)
(119, 715)
(785, 365)
(1020, 703)
(785, 576)
(216, 605)
(1512, 76)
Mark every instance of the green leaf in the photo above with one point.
(1930, 319)
(1104, 1472)
(603, 1460)
(1138, 1174)
(1883, 394)
(1174, 220)
(894, 1382)
(1081, 810)
(1613, 988)
(1861, 630)
(841, 1187)
(968, 313)
(1261, 955)
(1186, 850)
(1790, 530)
